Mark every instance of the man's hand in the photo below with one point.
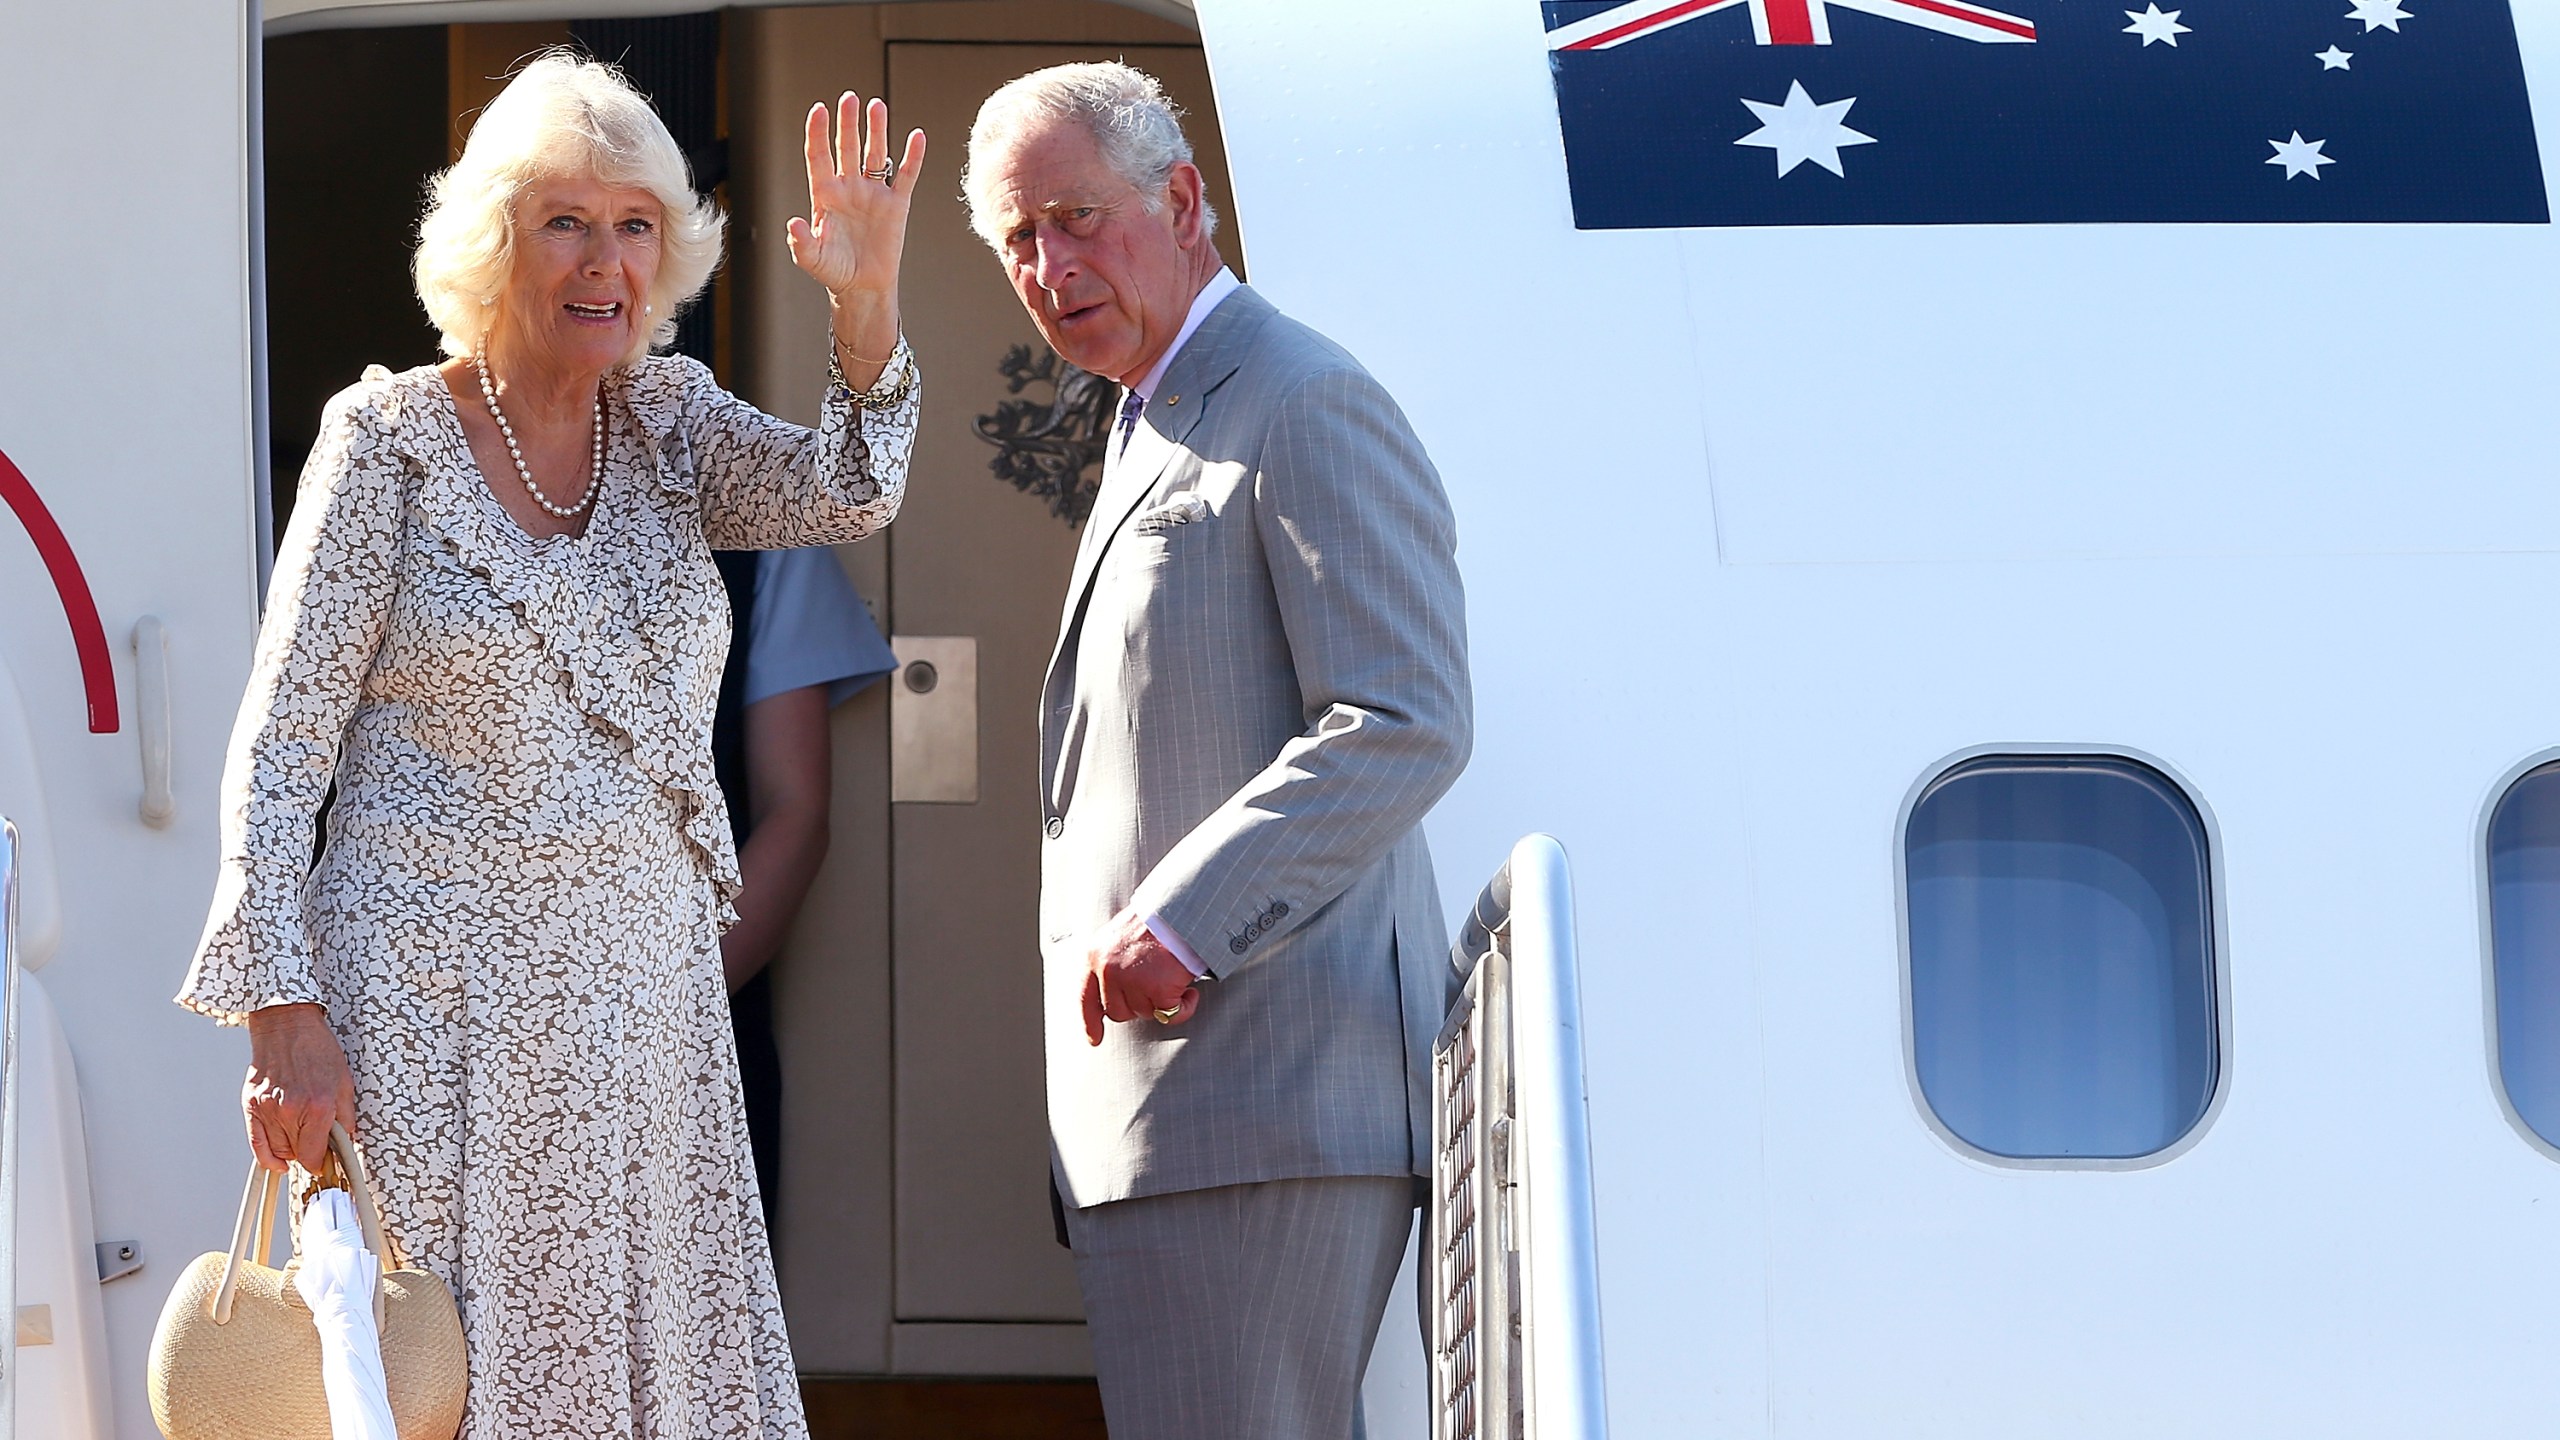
(1129, 975)
(298, 1083)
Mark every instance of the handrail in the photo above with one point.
(8, 1129)
(151, 719)
(1515, 1333)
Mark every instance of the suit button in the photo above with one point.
(1057, 826)
(1279, 909)
(1237, 945)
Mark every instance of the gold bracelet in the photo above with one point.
(847, 352)
(881, 396)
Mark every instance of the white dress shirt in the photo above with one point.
(1220, 286)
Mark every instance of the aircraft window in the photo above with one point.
(2524, 946)
(2062, 987)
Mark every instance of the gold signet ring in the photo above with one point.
(1167, 1015)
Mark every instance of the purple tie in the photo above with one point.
(1130, 409)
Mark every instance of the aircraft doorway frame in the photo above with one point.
(967, 1349)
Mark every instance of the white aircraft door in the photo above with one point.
(125, 401)
(1765, 527)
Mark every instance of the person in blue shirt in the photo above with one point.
(804, 644)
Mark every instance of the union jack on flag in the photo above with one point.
(1915, 112)
(1789, 22)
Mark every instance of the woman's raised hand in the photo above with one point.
(857, 226)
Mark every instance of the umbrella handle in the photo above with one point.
(368, 1211)
(255, 1230)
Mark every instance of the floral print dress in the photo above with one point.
(515, 926)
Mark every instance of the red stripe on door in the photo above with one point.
(88, 637)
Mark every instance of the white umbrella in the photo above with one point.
(341, 1281)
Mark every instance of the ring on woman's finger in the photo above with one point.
(886, 174)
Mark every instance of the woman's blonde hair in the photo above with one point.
(562, 115)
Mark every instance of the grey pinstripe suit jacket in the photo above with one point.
(1260, 687)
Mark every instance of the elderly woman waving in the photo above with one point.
(496, 628)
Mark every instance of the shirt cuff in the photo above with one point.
(1167, 937)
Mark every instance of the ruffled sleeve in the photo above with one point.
(767, 484)
(336, 575)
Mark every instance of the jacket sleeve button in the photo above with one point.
(1057, 826)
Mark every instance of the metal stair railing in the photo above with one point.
(1515, 1332)
(8, 1129)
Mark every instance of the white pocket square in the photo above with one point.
(1180, 510)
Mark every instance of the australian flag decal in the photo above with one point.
(1952, 112)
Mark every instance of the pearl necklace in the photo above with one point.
(595, 458)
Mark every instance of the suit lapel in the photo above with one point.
(1152, 446)
(1215, 352)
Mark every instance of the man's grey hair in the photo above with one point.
(1124, 108)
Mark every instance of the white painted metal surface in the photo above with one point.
(56, 1379)
(1551, 1146)
(1759, 526)
(125, 399)
(22, 798)
(9, 1337)
(61, 1385)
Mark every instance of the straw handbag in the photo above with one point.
(237, 1357)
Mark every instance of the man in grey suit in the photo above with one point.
(1259, 688)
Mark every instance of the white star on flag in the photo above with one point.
(2152, 25)
(2299, 156)
(1800, 130)
(2334, 58)
(2379, 15)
